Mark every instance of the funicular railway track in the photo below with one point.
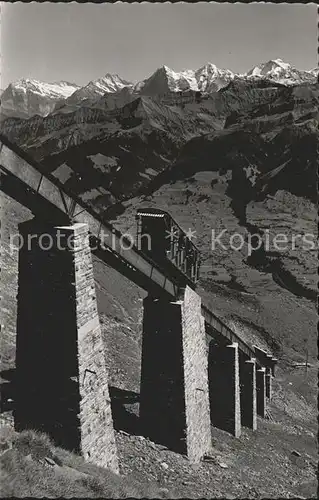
(23, 179)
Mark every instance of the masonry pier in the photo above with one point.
(274, 362)
(174, 404)
(61, 368)
(248, 395)
(224, 390)
(268, 382)
(267, 360)
(261, 391)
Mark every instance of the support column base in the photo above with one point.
(261, 392)
(61, 367)
(224, 388)
(174, 408)
(248, 394)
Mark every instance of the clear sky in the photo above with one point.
(81, 42)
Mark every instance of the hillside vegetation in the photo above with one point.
(31, 466)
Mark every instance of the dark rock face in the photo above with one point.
(116, 146)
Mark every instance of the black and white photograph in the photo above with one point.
(159, 250)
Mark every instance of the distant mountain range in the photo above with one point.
(27, 97)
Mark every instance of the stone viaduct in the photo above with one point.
(196, 372)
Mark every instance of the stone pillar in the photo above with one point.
(274, 362)
(248, 399)
(61, 368)
(174, 402)
(268, 381)
(261, 391)
(224, 390)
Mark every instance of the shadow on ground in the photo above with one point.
(125, 410)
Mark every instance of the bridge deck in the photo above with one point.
(23, 179)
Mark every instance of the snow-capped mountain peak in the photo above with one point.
(27, 97)
(59, 90)
(110, 83)
(166, 69)
(209, 68)
(272, 66)
(208, 78)
(96, 88)
(165, 80)
(211, 78)
(281, 63)
(279, 71)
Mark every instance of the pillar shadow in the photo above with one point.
(127, 419)
(125, 412)
(221, 398)
(43, 407)
(124, 417)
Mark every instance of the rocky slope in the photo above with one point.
(115, 148)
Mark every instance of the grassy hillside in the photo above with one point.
(31, 466)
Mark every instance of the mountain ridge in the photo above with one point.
(28, 97)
